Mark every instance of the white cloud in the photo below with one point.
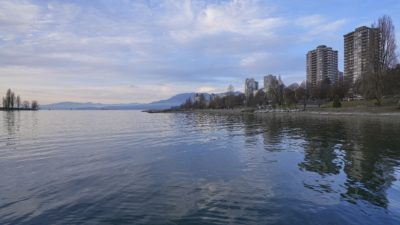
(17, 13)
(235, 17)
(206, 89)
(330, 27)
(254, 59)
(16, 17)
(317, 25)
(310, 21)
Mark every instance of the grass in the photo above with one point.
(386, 102)
(388, 105)
(351, 104)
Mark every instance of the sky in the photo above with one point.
(139, 51)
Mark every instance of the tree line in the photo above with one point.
(11, 101)
(278, 95)
(229, 100)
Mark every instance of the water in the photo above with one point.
(129, 167)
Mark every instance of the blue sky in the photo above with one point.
(121, 51)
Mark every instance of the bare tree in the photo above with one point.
(388, 57)
(275, 92)
(230, 97)
(4, 102)
(202, 101)
(12, 100)
(289, 96)
(382, 58)
(18, 102)
(301, 95)
(25, 105)
(8, 99)
(259, 98)
(34, 105)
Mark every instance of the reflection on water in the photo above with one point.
(118, 167)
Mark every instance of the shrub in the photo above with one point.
(336, 102)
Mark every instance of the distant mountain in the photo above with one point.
(174, 101)
(294, 86)
(73, 105)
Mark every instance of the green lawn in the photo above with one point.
(386, 102)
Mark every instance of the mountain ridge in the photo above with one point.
(173, 101)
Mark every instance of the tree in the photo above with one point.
(12, 100)
(18, 102)
(202, 101)
(391, 81)
(323, 90)
(382, 58)
(230, 97)
(188, 104)
(336, 102)
(275, 92)
(250, 100)
(25, 105)
(239, 99)
(301, 95)
(259, 98)
(8, 99)
(34, 105)
(214, 102)
(289, 96)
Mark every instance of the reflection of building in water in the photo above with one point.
(369, 170)
(365, 160)
(354, 157)
(319, 152)
(273, 131)
(251, 128)
(320, 158)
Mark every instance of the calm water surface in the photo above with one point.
(129, 167)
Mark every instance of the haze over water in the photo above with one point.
(129, 167)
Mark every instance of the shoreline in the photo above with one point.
(310, 111)
(16, 110)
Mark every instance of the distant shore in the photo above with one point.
(12, 110)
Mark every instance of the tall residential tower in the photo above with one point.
(322, 63)
(250, 87)
(357, 46)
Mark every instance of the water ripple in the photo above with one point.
(128, 167)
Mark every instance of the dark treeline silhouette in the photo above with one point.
(14, 102)
(328, 91)
(277, 95)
